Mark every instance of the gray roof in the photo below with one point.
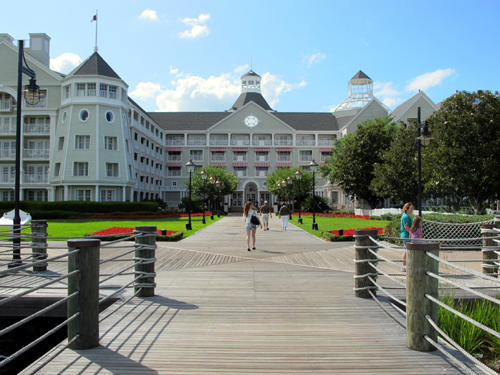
(94, 66)
(175, 121)
(400, 108)
(250, 73)
(138, 106)
(247, 97)
(360, 75)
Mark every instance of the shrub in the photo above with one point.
(196, 205)
(81, 206)
(333, 238)
(321, 204)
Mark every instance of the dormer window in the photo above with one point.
(103, 91)
(112, 92)
(86, 89)
(244, 84)
(250, 84)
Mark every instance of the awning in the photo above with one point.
(174, 149)
(218, 164)
(240, 149)
(281, 165)
(240, 164)
(262, 149)
(284, 149)
(217, 149)
(324, 149)
(174, 164)
(261, 165)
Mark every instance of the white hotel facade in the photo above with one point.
(88, 140)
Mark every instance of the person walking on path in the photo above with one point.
(249, 212)
(284, 212)
(265, 212)
(406, 223)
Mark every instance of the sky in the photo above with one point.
(190, 55)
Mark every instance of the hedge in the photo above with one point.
(80, 206)
(333, 238)
(177, 236)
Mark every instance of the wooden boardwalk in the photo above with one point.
(287, 308)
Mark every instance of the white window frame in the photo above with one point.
(86, 142)
(107, 195)
(81, 166)
(86, 195)
(114, 168)
(114, 143)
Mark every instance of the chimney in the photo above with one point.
(40, 48)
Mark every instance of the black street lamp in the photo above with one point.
(212, 182)
(190, 168)
(424, 138)
(298, 175)
(217, 184)
(32, 96)
(279, 193)
(204, 176)
(289, 182)
(313, 166)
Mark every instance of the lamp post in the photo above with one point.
(217, 184)
(190, 168)
(204, 176)
(289, 182)
(212, 182)
(424, 138)
(298, 175)
(313, 166)
(279, 192)
(32, 96)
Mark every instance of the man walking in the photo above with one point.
(265, 211)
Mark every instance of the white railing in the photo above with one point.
(197, 142)
(36, 154)
(240, 173)
(8, 178)
(261, 157)
(174, 188)
(5, 105)
(36, 178)
(173, 173)
(197, 157)
(240, 158)
(306, 143)
(36, 128)
(41, 104)
(281, 158)
(7, 154)
(8, 129)
(326, 142)
(218, 158)
(174, 158)
(262, 142)
(261, 173)
(281, 142)
(305, 158)
(218, 142)
(175, 142)
(240, 142)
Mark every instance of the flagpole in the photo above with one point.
(96, 22)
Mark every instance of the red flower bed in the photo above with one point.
(136, 216)
(350, 232)
(122, 230)
(334, 215)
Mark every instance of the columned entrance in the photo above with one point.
(251, 192)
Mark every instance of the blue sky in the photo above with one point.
(189, 55)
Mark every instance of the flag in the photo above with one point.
(94, 18)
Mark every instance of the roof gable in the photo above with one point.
(248, 97)
(94, 66)
(360, 75)
(403, 108)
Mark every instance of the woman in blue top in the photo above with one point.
(406, 223)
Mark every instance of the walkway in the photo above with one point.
(286, 308)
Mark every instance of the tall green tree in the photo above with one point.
(228, 183)
(289, 191)
(464, 157)
(353, 158)
(396, 176)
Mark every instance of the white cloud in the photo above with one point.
(149, 14)
(146, 90)
(386, 92)
(65, 63)
(392, 102)
(313, 59)
(242, 69)
(427, 80)
(198, 28)
(332, 108)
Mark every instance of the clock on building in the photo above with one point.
(251, 121)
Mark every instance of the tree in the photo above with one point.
(353, 158)
(396, 176)
(463, 158)
(228, 183)
(289, 192)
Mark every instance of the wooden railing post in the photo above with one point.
(148, 240)
(86, 282)
(418, 284)
(362, 246)
(39, 243)
(489, 256)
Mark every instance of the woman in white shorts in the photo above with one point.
(248, 212)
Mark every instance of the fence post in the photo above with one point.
(489, 256)
(87, 301)
(39, 243)
(418, 283)
(146, 249)
(362, 244)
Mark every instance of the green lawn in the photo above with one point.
(80, 227)
(335, 223)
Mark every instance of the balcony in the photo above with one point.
(36, 129)
(8, 129)
(41, 104)
(283, 142)
(36, 178)
(218, 158)
(40, 154)
(262, 142)
(240, 158)
(326, 142)
(173, 173)
(261, 173)
(262, 158)
(175, 142)
(305, 158)
(197, 157)
(240, 173)
(8, 154)
(8, 178)
(218, 142)
(197, 142)
(5, 105)
(240, 142)
(174, 158)
(284, 158)
(306, 142)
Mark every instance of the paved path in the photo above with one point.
(222, 309)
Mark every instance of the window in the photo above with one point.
(82, 142)
(261, 156)
(8, 174)
(174, 171)
(57, 169)
(84, 115)
(60, 144)
(110, 117)
(86, 89)
(283, 156)
(240, 156)
(64, 116)
(135, 155)
(8, 195)
(128, 145)
(7, 149)
(112, 92)
(81, 169)
(91, 89)
(80, 89)
(240, 171)
(82, 195)
(196, 155)
(305, 155)
(37, 195)
(110, 143)
(103, 91)
(261, 171)
(130, 170)
(111, 169)
(325, 155)
(66, 92)
(107, 195)
(135, 136)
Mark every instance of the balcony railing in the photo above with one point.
(175, 142)
(282, 158)
(282, 142)
(262, 142)
(8, 129)
(326, 142)
(197, 142)
(197, 157)
(36, 128)
(240, 173)
(36, 154)
(324, 157)
(174, 158)
(36, 178)
(41, 104)
(173, 173)
(306, 142)
(261, 173)
(218, 142)
(305, 158)
(8, 178)
(261, 157)
(5, 105)
(240, 142)
(240, 158)
(7, 154)
(218, 158)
